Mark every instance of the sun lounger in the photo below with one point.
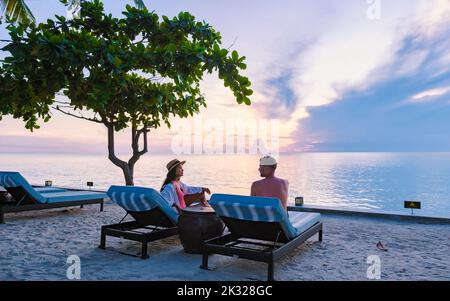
(259, 229)
(154, 219)
(48, 189)
(27, 198)
(40, 189)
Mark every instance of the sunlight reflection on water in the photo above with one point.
(342, 180)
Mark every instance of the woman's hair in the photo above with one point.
(171, 176)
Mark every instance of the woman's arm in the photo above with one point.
(194, 194)
(193, 198)
(191, 189)
(170, 195)
(194, 190)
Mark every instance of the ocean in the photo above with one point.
(370, 181)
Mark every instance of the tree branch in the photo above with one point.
(77, 116)
(105, 120)
(136, 134)
(127, 171)
(144, 131)
(62, 102)
(232, 44)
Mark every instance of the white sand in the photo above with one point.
(35, 246)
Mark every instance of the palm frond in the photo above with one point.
(16, 10)
(139, 4)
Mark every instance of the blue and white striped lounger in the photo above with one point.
(154, 219)
(29, 198)
(140, 199)
(259, 229)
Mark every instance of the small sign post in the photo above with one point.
(413, 205)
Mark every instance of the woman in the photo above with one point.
(178, 194)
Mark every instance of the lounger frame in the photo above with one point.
(24, 202)
(148, 226)
(266, 244)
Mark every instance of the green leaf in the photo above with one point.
(117, 61)
(235, 56)
(248, 92)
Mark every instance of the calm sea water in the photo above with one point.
(380, 181)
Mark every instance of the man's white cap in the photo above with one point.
(267, 161)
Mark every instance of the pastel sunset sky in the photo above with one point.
(350, 75)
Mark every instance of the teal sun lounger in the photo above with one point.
(154, 219)
(259, 229)
(27, 198)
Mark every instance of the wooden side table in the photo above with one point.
(197, 224)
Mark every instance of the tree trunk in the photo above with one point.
(127, 167)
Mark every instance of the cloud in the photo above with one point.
(436, 13)
(340, 55)
(302, 65)
(36, 144)
(411, 62)
(430, 95)
(356, 54)
(395, 110)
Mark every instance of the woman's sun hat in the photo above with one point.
(174, 163)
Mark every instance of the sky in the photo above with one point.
(344, 76)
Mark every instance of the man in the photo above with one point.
(270, 186)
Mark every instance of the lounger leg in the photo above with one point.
(101, 206)
(204, 260)
(144, 254)
(270, 271)
(102, 241)
(320, 235)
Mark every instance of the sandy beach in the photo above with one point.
(36, 245)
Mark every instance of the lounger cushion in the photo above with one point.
(261, 209)
(49, 189)
(302, 221)
(140, 199)
(248, 208)
(15, 179)
(72, 196)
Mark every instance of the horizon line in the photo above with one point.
(232, 154)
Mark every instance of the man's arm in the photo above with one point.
(253, 189)
(285, 194)
(286, 183)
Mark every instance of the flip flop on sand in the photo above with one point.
(381, 247)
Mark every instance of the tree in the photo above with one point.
(136, 71)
